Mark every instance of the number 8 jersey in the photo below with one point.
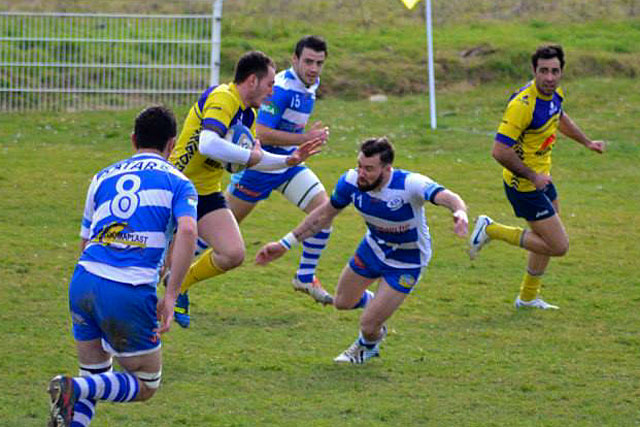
(130, 213)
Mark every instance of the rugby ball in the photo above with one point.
(241, 136)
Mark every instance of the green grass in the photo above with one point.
(378, 45)
(259, 354)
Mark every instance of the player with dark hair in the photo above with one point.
(131, 209)
(281, 126)
(396, 248)
(523, 147)
(200, 153)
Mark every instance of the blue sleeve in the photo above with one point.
(185, 200)
(273, 107)
(509, 142)
(341, 196)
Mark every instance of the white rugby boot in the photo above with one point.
(479, 237)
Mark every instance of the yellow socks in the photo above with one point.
(530, 287)
(203, 268)
(511, 235)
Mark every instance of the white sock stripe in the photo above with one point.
(83, 385)
(133, 385)
(100, 386)
(82, 419)
(316, 241)
(305, 271)
(312, 251)
(115, 386)
(305, 264)
(79, 416)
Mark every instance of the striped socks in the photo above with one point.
(312, 248)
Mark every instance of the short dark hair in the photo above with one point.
(382, 146)
(548, 52)
(316, 43)
(154, 127)
(254, 62)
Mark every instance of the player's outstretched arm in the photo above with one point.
(569, 128)
(304, 151)
(277, 137)
(456, 205)
(184, 245)
(270, 252)
(319, 218)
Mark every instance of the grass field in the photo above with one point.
(458, 353)
(259, 354)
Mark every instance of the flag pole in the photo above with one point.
(432, 85)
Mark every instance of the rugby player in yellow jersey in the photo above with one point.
(200, 153)
(523, 147)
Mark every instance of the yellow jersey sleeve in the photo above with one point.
(516, 120)
(218, 112)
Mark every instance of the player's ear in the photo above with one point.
(253, 80)
(169, 147)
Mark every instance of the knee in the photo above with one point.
(236, 258)
(341, 303)
(560, 248)
(145, 392)
(233, 257)
(148, 383)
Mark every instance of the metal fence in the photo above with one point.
(73, 61)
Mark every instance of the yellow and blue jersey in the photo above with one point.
(529, 126)
(217, 109)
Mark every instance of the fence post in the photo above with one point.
(216, 24)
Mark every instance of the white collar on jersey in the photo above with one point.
(311, 89)
(149, 153)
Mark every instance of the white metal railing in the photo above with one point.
(79, 61)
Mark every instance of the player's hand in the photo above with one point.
(165, 309)
(541, 181)
(318, 130)
(304, 151)
(269, 252)
(460, 222)
(256, 154)
(597, 146)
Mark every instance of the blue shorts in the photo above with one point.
(365, 263)
(252, 186)
(122, 315)
(532, 205)
(210, 202)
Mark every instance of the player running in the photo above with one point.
(131, 210)
(281, 124)
(396, 248)
(200, 153)
(523, 147)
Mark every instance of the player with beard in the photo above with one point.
(396, 248)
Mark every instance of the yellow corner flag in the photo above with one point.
(410, 3)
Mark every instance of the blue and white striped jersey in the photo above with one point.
(289, 108)
(397, 226)
(129, 216)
